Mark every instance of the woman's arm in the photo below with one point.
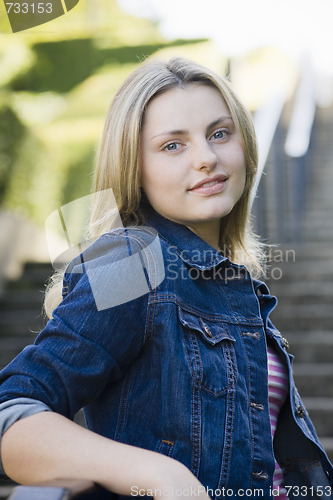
(49, 446)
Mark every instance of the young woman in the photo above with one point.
(163, 332)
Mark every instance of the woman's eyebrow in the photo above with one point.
(183, 132)
(219, 121)
(172, 132)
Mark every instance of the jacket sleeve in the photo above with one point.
(94, 335)
(17, 409)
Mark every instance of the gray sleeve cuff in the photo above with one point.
(16, 409)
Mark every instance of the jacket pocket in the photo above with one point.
(165, 447)
(210, 351)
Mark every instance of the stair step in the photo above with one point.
(306, 270)
(309, 311)
(314, 379)
(11, 347)
(283, 323)
(300, 299)
(321, 413)
(34, 276)
(327, 443)
(302, 289)
(280, 278)
(317, 233)
(19, 322)
(307, 251)
(31, 299)
(313, 346)
(295, 317)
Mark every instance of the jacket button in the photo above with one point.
(257, 406)
(207, 330)
(253, 335)
(300, 412)
(285, 343)
(261, 475)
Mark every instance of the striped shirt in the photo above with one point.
(277, 393)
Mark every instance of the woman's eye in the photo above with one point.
(220, 134)
(172, 146)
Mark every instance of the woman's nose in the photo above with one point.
(204, 156)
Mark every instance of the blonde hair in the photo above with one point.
(118, 159)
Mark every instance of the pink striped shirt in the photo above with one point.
(277, 393)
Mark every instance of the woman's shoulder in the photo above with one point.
(121, 265)
(115, 245)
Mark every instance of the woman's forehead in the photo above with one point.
(191, 103)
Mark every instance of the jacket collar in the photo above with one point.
(190, 247)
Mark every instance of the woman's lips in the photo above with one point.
(210, 186)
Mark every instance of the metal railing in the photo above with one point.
(279, 197)
(57, 490)
(266, 122)
(297, 146)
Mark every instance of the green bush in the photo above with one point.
(12, 133)
(61, 65)
(78, 180)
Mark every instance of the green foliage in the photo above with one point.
(33, 183)
(78, 177)
(58, 86)
(61, 65)
(12, 132)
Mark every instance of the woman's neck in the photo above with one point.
(208, 231)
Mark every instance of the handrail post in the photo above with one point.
(297, 144)
(266, 121)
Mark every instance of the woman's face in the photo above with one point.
(193, 165)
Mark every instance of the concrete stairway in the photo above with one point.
(21, 316)
(21, 319)
(318, 215)
(304, 316)
(305, 291)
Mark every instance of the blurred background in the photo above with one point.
(56, 83)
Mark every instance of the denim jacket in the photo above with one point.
(163, 341)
